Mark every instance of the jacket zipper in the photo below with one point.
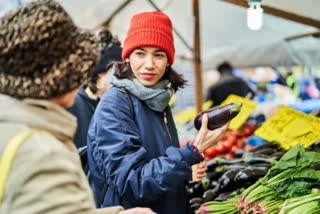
(166, 125)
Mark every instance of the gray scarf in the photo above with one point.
(156, 97)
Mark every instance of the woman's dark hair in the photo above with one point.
(123, 70)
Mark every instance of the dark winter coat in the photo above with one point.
(226, 86)
(137, 156)
(83, 108)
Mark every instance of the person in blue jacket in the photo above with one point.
(133, 147)
(89, 94)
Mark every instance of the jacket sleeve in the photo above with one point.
(120, 157)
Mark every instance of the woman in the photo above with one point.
(133, 146)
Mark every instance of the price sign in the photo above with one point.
(289, 127)
(248, 106)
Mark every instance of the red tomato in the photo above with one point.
(228, 156)
(227, 144)
(240, 143)
(236, 133)
(248, 129)
(232, 139)
(211, 152)
(234, 149)
(248, 147)
(220, 149)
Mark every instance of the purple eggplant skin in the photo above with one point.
(218, 116)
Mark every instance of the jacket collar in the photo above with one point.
(38, 114)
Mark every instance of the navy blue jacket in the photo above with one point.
(83, 108)
(138, 156)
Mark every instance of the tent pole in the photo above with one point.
(107, 22)
(197, 56)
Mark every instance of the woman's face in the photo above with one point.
(148, 64)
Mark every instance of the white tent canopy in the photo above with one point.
(224, 34)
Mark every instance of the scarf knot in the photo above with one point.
(156, 97)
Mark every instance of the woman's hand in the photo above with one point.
(137, 210)
(206, 138)
(199, 171)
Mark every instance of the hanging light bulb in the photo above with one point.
(254, 15)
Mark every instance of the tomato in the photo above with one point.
(227, 145)
(228, 156)
(236, 133)
(234, 149)
(248, 129)
(220, 149)
(240, 143)
(232, 139)
(248, 147)
(211, 152)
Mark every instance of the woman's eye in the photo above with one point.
(160, 55)
(140, 53)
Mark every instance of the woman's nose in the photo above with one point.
(149, 63)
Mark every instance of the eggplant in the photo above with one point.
(265, 151)
(255, 160)
(210, 194)
(227, 179)
(224, 196)
(196, 190)
(239, 153)
(212, 164)
(277, 155)
(195, 207)
(264, 146)
(218, 116)
(252, 155)
(205, 183)
(196, 200)
(262, 165)
(250, 174)
(214, 184)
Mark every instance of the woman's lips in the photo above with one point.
(148, 76)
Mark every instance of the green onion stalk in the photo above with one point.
(304, 204)
(216, 207)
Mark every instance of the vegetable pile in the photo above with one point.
(291, 186)
(228, 177)
(231, 142)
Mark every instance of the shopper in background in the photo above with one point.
(226, 85)
(133, 147)
(90, 93)
(44, 58)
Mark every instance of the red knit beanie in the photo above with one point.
(149, 29)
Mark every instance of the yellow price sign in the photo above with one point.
(248, 106)
(190, 113)
(289, 127)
